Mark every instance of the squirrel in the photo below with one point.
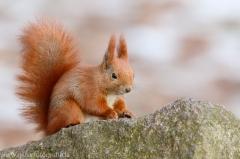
(58, 91)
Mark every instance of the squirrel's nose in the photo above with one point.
(128, 89)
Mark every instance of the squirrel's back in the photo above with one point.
(48, 52)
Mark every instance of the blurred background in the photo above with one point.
(177, 48)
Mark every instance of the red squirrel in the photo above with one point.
(58, 90)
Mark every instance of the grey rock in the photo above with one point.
(186, 128)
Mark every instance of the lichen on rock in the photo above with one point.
(186, 128)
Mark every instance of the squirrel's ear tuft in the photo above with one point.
(122, 48)
(109, 55)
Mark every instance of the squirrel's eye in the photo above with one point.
(114, 75)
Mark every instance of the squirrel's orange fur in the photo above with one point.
(58, 90)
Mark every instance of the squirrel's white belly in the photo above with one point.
(89, 118)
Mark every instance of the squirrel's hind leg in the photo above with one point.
(68, 114)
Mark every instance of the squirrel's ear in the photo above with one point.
(109, 55)
(122, 48)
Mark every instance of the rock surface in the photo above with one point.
(186, 128)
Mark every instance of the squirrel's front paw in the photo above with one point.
(111, 114)
(126, 114)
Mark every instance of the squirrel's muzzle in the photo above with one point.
(128, 89)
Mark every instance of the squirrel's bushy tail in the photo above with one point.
(48, 52)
